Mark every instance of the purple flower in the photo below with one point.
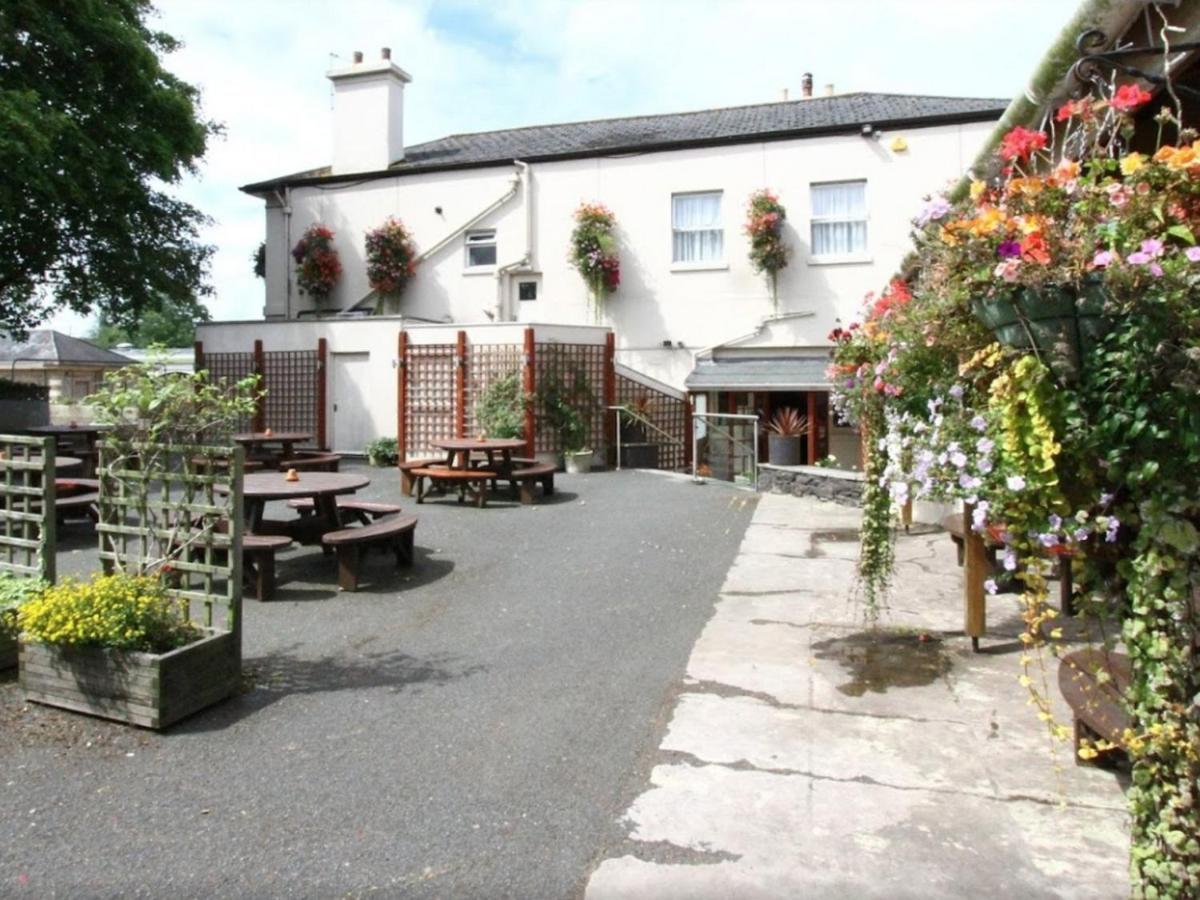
(1010, 561)
(985, 465)
(1102, 259)
(936, 207)
(1055, 521)
(1110, 533)
(956, 391)
(1047, 539)
(958, 458)
(1156, 270)
(1081, 534)
(1015, 483)
(1009, 250)
(979, 423)
(1152, 247)
(990, 586)
(1106, 499)
(968, 482)
(979, 516)
(1138, 258)
(985, 445)
(1192, 253)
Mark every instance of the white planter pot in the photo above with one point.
(578, 463)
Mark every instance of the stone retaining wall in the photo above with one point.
(838, 485)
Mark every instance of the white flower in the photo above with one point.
(1015, 483)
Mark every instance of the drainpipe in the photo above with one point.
(286, 202)
(502, 310)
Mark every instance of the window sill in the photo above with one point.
(840, 260)
(699, 267)
(480, 270)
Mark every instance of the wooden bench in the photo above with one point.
(1098, 705)
(258, 562)
(70, 505)
(365, 511)
(525, 478)
(393, 532)
(406, 469)
(462, 478)
(312, 462)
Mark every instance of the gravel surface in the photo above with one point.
(471, 728)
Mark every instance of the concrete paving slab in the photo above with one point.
(811, 756)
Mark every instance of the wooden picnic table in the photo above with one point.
(90, 434)
(258, 443)
(323, 488)
(459, 450)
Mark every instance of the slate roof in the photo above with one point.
(739, 124)
(48, 346)
(745, 373)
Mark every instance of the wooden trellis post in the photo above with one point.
(975, 572)
(460, 385)
(610, 392)
(260, 369)
(402, 397)
(529, 383)
(322, 395)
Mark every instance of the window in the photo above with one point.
(481, 248)
(696, 232)
(527, 290)
(839, 220)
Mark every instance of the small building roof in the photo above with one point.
(809, 117)
(759, 373)
(55, 348)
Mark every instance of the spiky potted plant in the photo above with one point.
(784, 432)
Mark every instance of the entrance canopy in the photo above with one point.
(759, 373)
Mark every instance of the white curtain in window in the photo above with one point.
(839, 214)
(696, 226)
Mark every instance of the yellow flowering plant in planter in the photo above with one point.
(1044, 368)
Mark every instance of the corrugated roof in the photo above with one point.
(763, 121)
(745, 373)
(49, 346)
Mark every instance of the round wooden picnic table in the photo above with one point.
(322, 487)
(459, 450)
(261, 440)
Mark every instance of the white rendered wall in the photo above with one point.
(656, 302)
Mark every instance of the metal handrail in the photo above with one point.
(628, 411)
(696, 447)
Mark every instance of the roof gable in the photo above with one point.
(49, 346)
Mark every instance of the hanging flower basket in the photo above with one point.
(1062, 323)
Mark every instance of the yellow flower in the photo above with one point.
(1132, 163)
(1031, 187)
(977, 189)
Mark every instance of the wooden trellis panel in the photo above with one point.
(231, 368)
(667, 412)
(177, 510)
(487, 364)
(567, 363)
(291, 379)
(430, 370)
(27, 540)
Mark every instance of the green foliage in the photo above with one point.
(500, 409)
(165, 325)
(16, 390)
(258, 260)
(90, 125)
(118, 611)
(594, 251)
(147, 404)
(15, 591)
(383, 451)
(567, 408)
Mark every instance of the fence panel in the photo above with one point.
(487, 364)
(291, 379)
(669, 416)
(572, 365)
(27, 539)
(430, 372)
(231, 368)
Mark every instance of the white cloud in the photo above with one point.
(506, 63)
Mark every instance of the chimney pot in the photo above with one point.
(829, 90)
(806, 85)
(386, 53)
(357, 57)
(785, 93)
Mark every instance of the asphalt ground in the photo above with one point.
(474, 727)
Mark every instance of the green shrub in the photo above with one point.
(500, 410)
(14, 591)
(16, 390)
(383, 451)
(119, 611)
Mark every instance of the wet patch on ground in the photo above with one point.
(879, 660)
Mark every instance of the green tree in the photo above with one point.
(92, 127)
(169, 325)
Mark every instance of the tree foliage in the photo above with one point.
(92, 129)
(169, 325)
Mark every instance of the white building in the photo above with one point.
(491, 214)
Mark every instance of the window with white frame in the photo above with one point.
(697, 235)
(839, 220)
(481, 248)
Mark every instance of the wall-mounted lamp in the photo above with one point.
(868, 131)
(437, 210)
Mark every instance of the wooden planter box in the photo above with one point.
(8, 652)
(148, 689)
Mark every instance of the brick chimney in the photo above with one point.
(368, 114)
(806, 85)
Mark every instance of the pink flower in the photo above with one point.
(1152, 246)
(1102, 259)
(1192, 253)
(1007, 270)
(1156, 270)
(1118, 195)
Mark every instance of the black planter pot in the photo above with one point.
(784, 450)
(639, 456)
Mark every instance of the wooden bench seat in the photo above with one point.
(312, 462)
(1098, 705)
(258, 562)
(393, 532)
(365, 511)
(525, 478)
(406, 469)
(462, 478)
(73, 504)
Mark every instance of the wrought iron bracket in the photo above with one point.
(1094, 63)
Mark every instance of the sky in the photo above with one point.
(476, 66)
